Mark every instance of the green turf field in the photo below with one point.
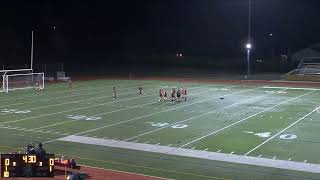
(258, 121)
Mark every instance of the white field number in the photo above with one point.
(176, 126)
(288, 136)
(15, 111)
(268, 134)
(82, 117)
(263, 135)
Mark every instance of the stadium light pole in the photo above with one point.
(31, 58)
(249, 45)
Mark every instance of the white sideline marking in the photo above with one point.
(281, 131)
(291, 88)
(263, 162)
(129, 120)
(235, 123)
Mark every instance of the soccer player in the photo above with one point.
(173, 94)
(160, 95)
(185, 94)
(165, 96)
(70, 83)
(182, 93)
(178, 94)
(140, 90)
(114, 92)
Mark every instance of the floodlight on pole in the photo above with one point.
(248, 46)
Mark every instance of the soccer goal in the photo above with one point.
(22, 81)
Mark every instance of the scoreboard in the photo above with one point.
(27, 165)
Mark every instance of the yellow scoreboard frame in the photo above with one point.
(26, 165)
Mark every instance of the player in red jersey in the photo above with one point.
(160, 95)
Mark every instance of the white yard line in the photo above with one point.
(132, 85)
(72, 102)
(129, 107)
(195, 117)
(235, 123)
(133, 119)
(109, 112)
(52, 93)
(272, 137)
(60, 97)
(292, 88)
(84, 100)
(60, 112)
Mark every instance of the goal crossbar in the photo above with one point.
(14, 70)
(22, 81)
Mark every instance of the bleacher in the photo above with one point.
(307, 70)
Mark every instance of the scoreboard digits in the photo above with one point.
(25, 165)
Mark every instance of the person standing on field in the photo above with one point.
(140, 90)
(70, 83)
(114, 93)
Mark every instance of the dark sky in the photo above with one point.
(215, 28)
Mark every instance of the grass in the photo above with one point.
(249, 120)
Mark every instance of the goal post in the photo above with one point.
(22, 81)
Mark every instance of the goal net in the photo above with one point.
(22, 81)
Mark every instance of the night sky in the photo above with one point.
(69, 29)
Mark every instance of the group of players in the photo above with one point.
(176, 95)
(179, 94)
